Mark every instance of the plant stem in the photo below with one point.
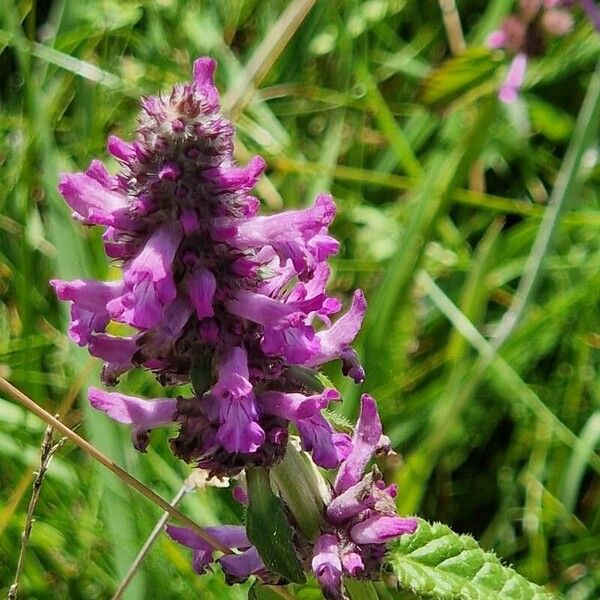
(48, 449)
(139, 559)
(92, 451)
(566, 181)
(454, 31)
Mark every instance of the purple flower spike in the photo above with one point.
(142, 415)
(207, 280)
(234, 305)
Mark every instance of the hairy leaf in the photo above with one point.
(435, 562)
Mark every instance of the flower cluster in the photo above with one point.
(235, 304)
(206, 281)
(524, 35)
(360, 518)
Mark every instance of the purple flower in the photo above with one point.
(206, 279)
(318, 436)
(300, 236)
(94, 204)
(509, 90)
(327, 565)
(237, 567)
(148, 280)
(239, 430)
(142, 415)
(88, 309)
(524, 34)
(361, 516)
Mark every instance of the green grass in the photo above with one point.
(442, 193)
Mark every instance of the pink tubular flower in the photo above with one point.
(142, 415)
(509, 90)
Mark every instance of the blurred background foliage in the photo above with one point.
(440, 191)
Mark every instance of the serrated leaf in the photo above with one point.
(435, 562)
(457, 76)
(268, 528)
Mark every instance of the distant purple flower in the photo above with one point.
(205, 279)
(361, 517)
(524, 35)
(509, 90)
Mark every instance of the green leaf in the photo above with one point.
(435, 562)
(458, 75)
(268, 528)
(360, 590)
(547, 119)
(260, 591)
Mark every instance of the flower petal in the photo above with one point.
(142, 415)
(364, 443)
(334, 342)
(327, 566)
(381, 529)
(238, 567)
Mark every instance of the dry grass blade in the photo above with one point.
(265, 56)
(92, 451)
(454, 31)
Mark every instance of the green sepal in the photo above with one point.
(305, 500)
(268, 528)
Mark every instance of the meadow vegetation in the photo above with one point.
(442, 192)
